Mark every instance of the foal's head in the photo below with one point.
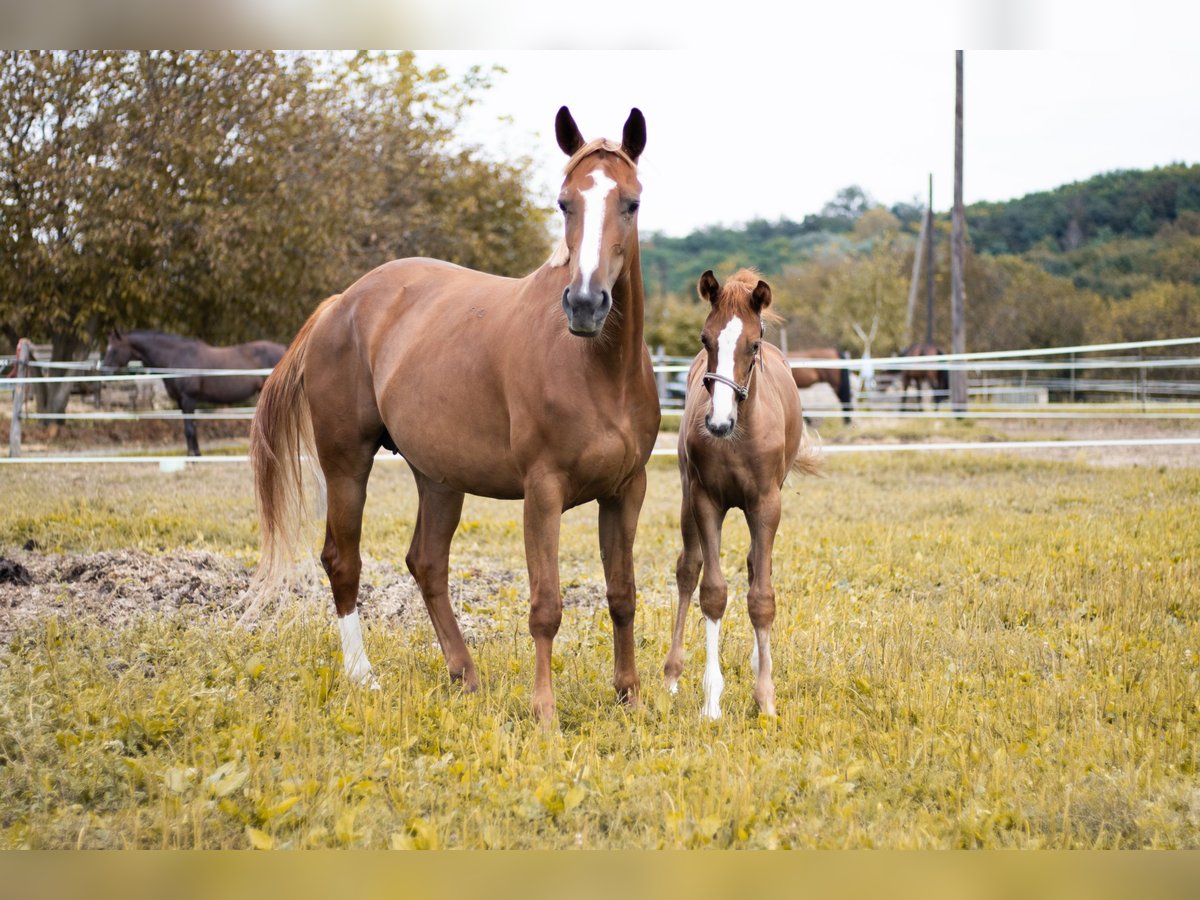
(732, 338)
(599, 202)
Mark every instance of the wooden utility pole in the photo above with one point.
(914, 282)
(929, 238)
(958, 300)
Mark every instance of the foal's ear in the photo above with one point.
(567, 132)
(708, 287)
(633, 138)
(761, 298)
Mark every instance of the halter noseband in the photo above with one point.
(742, 390)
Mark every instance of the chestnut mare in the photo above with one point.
(538, 388)
(838, 379)
(937, 379)
(742, 433)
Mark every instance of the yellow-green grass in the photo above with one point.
(970, 650)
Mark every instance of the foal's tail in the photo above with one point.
(808, 459)
(281, 443)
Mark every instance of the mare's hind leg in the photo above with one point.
(618, 526)
(687, 574)
(429, 561)
(346, 472)
(763, 520)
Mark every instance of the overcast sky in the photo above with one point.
(735, 136)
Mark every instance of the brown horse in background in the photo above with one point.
(157, 350)
(836, 378)
(937, 379)
(537, 388)
(742, 433)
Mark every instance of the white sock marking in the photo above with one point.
(714, 681)
(723, 407)
(593, 224)
(754, 657)
(354, 655)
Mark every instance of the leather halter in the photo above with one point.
(742, 390)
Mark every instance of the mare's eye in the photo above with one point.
(562, 205)
(633, 207)
(756, 347)
(705, 341)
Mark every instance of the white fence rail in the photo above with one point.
(1074, 370)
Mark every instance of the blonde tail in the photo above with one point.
(281, 446)
(808, 459)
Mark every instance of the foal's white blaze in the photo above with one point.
(354, 655)
(724, 407)
(593, 224)
(714, 681)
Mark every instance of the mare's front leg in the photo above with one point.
(687, 574)
(763, 519)
(544, 493)
(714, 593)
(618, 527)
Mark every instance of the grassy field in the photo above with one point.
(971, 651)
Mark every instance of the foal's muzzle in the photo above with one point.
(586, 311)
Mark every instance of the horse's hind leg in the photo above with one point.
(428, 559)
(763, 519)
(346, 474)
(687, 574)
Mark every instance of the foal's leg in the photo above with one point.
(763, 519)
(714, 594)
(346, 473)
(618, 527)
(543, 519)
(429, 561)
(687, 574)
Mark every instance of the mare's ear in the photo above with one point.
(708, 288)
(761, 298)
(633, 138)
(116, 335)
(567, 132)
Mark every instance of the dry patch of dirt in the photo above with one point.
(116, 587)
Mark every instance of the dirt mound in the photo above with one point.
(116, 587)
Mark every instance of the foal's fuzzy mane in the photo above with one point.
(736, 292)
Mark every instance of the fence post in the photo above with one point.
(21, 371)
(660, 378)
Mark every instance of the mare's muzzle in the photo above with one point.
(586, 311)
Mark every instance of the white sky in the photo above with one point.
(739, 135)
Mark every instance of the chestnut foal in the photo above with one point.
(742, 433)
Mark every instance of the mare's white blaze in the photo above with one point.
(354, 655)
(724, 408)
(714, 681)
(593, 224)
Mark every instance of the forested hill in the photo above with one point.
(1124, 204)
(1130, 204)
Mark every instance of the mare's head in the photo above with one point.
(599, 202)
(732, 338)
(118, 352)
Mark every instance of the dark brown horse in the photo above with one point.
(742, 433)
(836, 378)
(168, 351)
(937, 379)
(538, 388)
